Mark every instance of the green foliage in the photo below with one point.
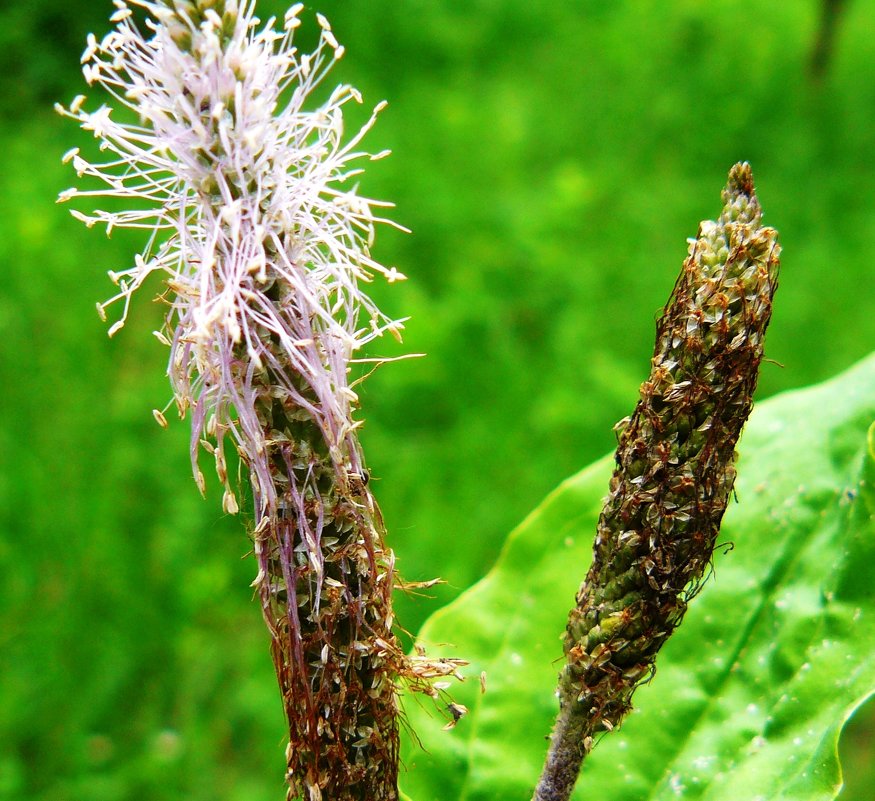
(751, 692)
(551, 158)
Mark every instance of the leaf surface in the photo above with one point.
(752, 691)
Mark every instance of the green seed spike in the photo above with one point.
(674, 475)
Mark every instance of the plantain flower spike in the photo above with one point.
(673, 478)
(251, 217)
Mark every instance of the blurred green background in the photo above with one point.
(551, 159)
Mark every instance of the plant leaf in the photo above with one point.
(752, 691)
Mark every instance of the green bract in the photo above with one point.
(751, 693)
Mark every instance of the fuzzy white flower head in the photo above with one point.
(242, 192)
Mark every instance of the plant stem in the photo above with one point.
(674, 475)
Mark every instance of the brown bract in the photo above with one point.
(337, 660)
(334, 652)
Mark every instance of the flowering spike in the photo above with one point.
(673, 479)
(238, 186)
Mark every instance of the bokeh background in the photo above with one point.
(551, 159)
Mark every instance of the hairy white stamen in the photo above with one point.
(241, 190)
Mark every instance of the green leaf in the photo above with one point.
(750, 694)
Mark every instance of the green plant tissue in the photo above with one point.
(750, 694)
